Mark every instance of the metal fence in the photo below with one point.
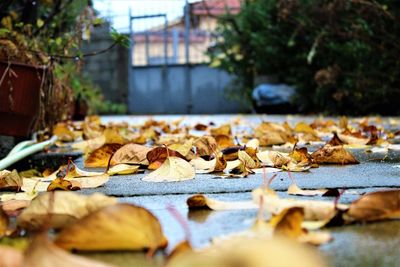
(175, 31)
(169, 41)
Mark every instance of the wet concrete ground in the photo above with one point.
(369, 245)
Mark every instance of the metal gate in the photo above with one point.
(164, 78)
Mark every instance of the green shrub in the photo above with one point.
(341, 55)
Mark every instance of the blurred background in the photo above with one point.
(169, 68)
(207, 56)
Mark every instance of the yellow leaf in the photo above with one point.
(66, 208)
(202, 202)
(101, 156)
(117, 227)
(41, 252)
(173, 169)
(123, 169)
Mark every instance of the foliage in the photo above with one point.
(50, 32)
(341, 55)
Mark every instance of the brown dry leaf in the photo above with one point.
(41, 252)
(335, 141)
(240, 171)
(13, 207)
(117, 227)
(246, 160)
(224, 141)
(180, 248)
(203, 166)
(89, 145)
(10, 181)
(375, 206)
(157, 156)
(273, 158)
(288, 223)
(90, 181)
(72, 171)
(230, 165)
(67, 207)
(250, 252)
(333, 155)
(173, 169)
(220, 163)
(303, 127)
(222, 130)
(184, 149)
(200, 127)
(301, 156)
(217, 164)
(205, 146)
(113, 136)
(123, 169)
(101, 156)
(202, 202)
(34, 185)
(3, 223)
(131, 154)
(64, 132)
(270, 134)
(352, 140)
(65, 185)
(314, 210)
(25, 196)
(253, 143)
(293, 189)
(10, 257)
(296, 167)
(231, 153)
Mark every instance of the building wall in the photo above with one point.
(155, 49)
(109, 70)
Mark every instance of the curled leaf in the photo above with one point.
(157, 156)
(333, 155)
(294, 189)
(64, 132)
(173, 169)
(101, 156)
(202, 202)
(123, 169)
(205, 145)
(250, 252)
(117, 227)
(247, 160)
(375, 206)
(10, 181)
(131, 154)
(43, 253)
(67, 207)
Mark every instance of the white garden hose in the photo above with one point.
(23, 150)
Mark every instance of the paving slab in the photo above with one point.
(370, 173)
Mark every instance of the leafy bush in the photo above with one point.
(49, 33)
(341, 55)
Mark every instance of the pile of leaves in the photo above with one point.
(37, 202)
